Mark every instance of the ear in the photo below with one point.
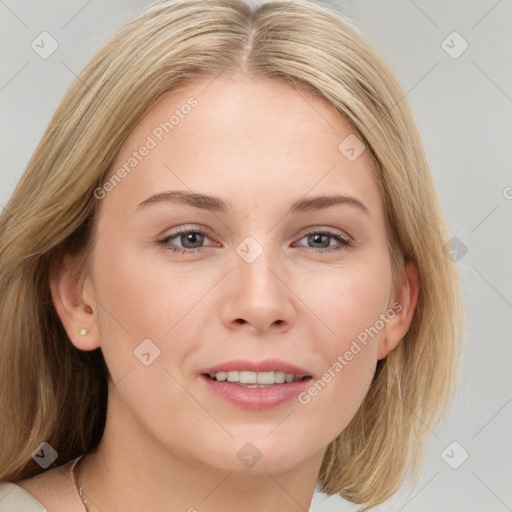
(403, 304)
(75, 304)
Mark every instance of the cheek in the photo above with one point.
(137, 295)
(147, 305)
(143, 325)
(130, 308)
(348, 301)
(337, 391)
(335, 394)
(350, 309)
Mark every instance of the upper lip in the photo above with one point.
(268, 365)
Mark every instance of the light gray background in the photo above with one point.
(463, 108)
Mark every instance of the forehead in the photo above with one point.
(246, 139)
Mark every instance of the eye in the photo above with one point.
(323, 238)
(190, 239)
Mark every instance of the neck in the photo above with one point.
(131, 476)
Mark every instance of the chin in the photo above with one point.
(261, 455)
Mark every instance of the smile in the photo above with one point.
(256, 379)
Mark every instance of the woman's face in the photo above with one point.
(259, 278)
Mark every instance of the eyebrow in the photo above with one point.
(218, 205)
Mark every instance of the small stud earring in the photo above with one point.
(83, 332)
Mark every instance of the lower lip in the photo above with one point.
(256, 399)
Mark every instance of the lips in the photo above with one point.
(256, 385)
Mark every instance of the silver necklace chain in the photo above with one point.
(78, 486)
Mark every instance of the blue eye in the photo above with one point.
(191, 241)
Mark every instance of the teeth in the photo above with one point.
(262, 378)
(233, 376)
(250, 378)
(280, 377)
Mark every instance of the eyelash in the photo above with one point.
(346, 243)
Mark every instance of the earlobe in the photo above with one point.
(73, 305)
(403, 306)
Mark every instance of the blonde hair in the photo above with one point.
(55, 393)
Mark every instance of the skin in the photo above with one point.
(168, 440)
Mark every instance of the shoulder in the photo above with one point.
(14, 498)
(52, 490)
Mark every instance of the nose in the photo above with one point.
(257, 296)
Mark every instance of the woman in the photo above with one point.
(223, 274)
